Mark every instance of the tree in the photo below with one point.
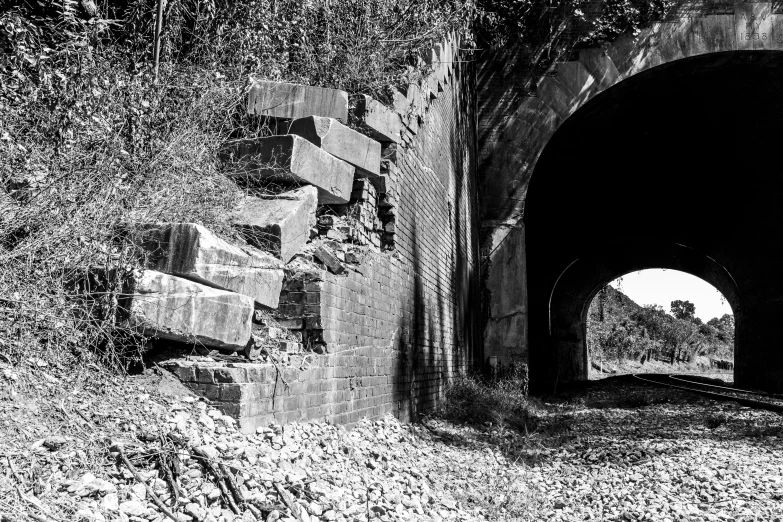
(725, 327)
(684, 310)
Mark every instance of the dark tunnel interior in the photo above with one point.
(679, 158)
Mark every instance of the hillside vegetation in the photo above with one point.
(92, 146)
(619, 329)
(96, 141)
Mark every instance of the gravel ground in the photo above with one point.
(615, 450)
(660, 455)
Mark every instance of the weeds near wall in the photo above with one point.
(124, 156)
(474, 400)
(90, 149)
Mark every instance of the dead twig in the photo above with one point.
(232, 485)
(158, 502)
(218, 478)
(167, 462)
(13, 470)
(288, 500)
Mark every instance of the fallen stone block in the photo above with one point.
(330, 260)
(170, 307)
(289, 100)
(281, 225)
(293, 159)
(359, 150)
(191, 251)
(382, 123)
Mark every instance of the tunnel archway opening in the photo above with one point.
(675, 168)
(659, 321)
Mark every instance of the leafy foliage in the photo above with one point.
(683, 310)
(618, 328)
(543, 33)
(582, 22)
(90, 147)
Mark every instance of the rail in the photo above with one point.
(734, 394)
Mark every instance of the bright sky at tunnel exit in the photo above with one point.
(661, 287)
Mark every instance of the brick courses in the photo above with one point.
(388, 334)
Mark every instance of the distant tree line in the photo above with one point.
(618, 328)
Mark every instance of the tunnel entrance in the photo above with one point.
(676, 167)
(659, 321)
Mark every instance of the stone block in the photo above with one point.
(401, 105)
(281, 225)
(293, 159)
(291, 324)
(383, 124)
(440, 65)
(329, 259)
(174, 308)
(416, 98)
(344, 143)
(289, 100)
(191, 251)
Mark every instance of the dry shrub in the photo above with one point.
(91, 148)
(79, 180)
(361, 46)
(474, 400)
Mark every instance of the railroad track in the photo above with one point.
(754, 399)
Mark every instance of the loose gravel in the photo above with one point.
(616, 450)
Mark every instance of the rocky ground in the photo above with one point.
(616, 450)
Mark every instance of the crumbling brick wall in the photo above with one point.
(389, 333)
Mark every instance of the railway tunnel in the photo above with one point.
(657, 150)
(674, 168)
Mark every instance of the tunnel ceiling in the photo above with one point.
(685, 152)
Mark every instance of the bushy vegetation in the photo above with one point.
(548, 32)
(618, 329)
(94, 142)
(91, 146)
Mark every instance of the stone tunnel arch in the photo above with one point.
(578, 284)
(516, 131)
(515, 128)
(672, 168)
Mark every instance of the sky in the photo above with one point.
(661, 287)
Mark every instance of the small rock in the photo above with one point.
(315, 509)
(196, 511)
(110, 502)
(56, 442)
(133, 508)
(207, 421)
(139, 491)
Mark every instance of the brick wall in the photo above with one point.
(390, 332)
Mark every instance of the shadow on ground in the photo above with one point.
(617, 422)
